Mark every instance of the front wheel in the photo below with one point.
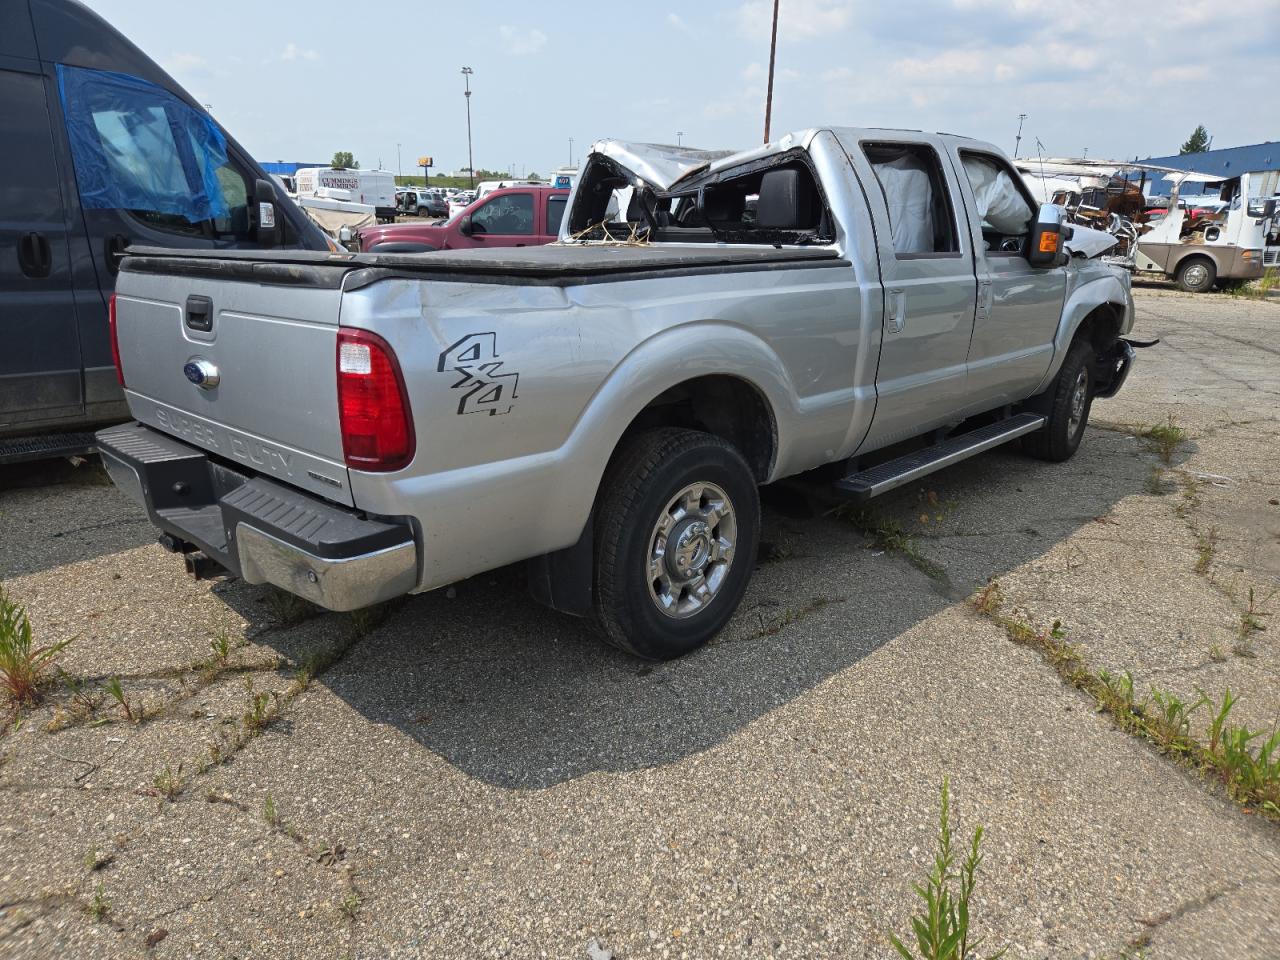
(676, 529)
(1196, 274)
(1065, 405)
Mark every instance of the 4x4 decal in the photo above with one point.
(484, 389)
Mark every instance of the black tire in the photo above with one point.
(1059, 438)
(642, 480)
(1196, 275)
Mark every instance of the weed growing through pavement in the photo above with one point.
(270, 815)
(168, 782)
(365, 620)
(887, 534)
(23, 666)
(351, 905)
(94, 861)
(942, 928)
(1250, 776)
(116, 692)
(99, 906)
(1166, 438)
(289, 608)
(1206, 550)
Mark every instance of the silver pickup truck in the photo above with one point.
(352, 428)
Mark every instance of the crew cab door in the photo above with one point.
(1019, 305)
(926, 263)
(505, 220)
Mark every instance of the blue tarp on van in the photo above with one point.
(136, 146)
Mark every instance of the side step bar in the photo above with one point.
(894, 473)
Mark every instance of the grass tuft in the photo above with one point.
(1166, 438)
(23, 666)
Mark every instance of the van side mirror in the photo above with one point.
(464, 225)
(1269, 208)
(1047, 237)
(264, 199)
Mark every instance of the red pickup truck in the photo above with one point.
(510, 217)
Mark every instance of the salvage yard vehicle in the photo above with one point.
(105, 149)
(605, 408)
(511, 217)
(1227, 240)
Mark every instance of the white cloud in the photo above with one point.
(797, 19)
(521, 42)
(294, 52)
(1183, 74)
(677, 21)
(185, 62)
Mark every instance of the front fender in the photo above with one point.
(1110, 289)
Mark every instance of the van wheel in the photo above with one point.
(1065, 405)
(676, 529)
(1196, 274)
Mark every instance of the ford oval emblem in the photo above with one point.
(201, 372)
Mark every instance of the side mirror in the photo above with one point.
(1269, 208)
(464, 225)
(344, 234)
(1047, 237)
(264, 198)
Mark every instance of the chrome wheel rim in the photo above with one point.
(1079, 397)
(1196, 275)
(691, 550)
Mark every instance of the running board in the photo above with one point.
(885, 477)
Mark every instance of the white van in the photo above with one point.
(375, 188)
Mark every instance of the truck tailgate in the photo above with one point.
(272, 347)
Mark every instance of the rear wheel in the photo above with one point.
(1196, 274)
(677, 525)
(1065, 405)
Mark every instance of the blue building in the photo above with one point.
(1230, 162)
(282, 168)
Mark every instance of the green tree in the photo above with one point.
(343, 160)
(1198, 142)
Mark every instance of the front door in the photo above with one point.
(505, 220)
(40, 363)
(1018, 305)
(926, 263)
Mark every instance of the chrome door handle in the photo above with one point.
(896, 313)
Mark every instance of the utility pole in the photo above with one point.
(1017, 141)
(679, 138)
(773, 50)
(571, 151)
(399, 165)
(471, 164)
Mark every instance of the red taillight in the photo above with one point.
(373, 407)
(115, 339)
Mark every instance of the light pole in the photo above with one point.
(1017, 141)
(679, 138)
(571, 151)
(773, 49)
(471, 164)
(399, 165)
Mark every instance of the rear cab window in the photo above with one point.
(921, 218)
(137, 147)
(555, 213)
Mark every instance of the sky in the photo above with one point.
(298, 81)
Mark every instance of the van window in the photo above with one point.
(915, 191)
(507, 215)
(555, 213)
(138, 147)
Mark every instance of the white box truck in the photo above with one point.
(374, 188)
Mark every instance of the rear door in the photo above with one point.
(1019, 306)
(269, 333)
(40, 366)
(554, 214)
(926, 262)
(506, 219)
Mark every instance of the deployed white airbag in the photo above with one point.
(1089, 242)
(909, 195)
(1000, 204)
